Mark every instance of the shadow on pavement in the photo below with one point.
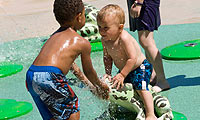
(181, 80)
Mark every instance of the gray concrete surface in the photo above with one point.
(20, 19)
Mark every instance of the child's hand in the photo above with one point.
(103, 90)
(118, 81)
(135, 11)
(107, 76)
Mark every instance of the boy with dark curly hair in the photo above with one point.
(46, 79)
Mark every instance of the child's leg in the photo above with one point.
(148, 104)
(147, 42)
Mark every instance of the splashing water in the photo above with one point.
(13, 87)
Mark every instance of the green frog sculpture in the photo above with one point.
(128, 98)
(90, 30)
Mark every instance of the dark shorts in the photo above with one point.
(51, 92)
(149, 18)
(140, 77)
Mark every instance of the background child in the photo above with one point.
(46, 79)
(122, 49)
(145, 18)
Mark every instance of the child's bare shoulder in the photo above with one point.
(73, 35)
(69, 37)
(80, 41)
(125, 36)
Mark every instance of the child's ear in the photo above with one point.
(78, 17)
(121, 26)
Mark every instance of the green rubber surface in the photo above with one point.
(7, 69)
(183, 76)
(178, 116)
(97, 46)
(186, 50)
(10, 108)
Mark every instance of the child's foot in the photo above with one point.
(161, 86)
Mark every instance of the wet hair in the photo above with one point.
(66, 10)
(112, 9)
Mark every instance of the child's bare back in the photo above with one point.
(46, 78)
(62, 49)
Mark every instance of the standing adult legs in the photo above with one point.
(153, 55)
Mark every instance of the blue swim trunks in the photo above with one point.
(140, 77)
(50, 90)
(149, 18)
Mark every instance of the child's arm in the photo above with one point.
(81, 76)
(129, 48)
(108, 62)
(90, 72)
(131, 52)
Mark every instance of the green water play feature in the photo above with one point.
(7, 69)
(178, 116)
(97, 46)
(10, 108)
(186, 50)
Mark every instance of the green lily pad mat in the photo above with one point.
(186, 50)
(178, 116)
(97, 46)
(11, 108)
(7, 69)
